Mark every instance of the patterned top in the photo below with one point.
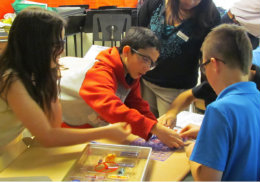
(170, 41)
(180, 47)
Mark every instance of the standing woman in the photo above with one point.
(181, 26)
(28, 84)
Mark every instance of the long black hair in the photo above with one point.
(205, 15)
(34, 41)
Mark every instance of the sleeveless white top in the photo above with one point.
(10, 126)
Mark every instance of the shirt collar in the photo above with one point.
(237, 89)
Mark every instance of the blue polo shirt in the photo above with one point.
(229, 138)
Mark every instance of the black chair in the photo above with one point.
(110, 27)
(88, 25)
(75, 22)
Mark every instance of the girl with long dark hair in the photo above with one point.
(29, 77)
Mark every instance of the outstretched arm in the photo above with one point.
(99, 91)
(55, 119)
(37, 122)
(179, 104)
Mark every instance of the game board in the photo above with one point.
(160, 151)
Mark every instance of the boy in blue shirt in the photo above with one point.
(228, 143)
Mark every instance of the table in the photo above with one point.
(54, 163)
(39, 163)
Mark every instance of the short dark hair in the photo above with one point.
(140, 38)
(231, 44)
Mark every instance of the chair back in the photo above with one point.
(110, 27)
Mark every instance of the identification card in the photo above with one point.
(182, 36)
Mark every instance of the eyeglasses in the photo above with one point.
(202, 65)
(146, 59)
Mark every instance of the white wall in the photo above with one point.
(226, 4)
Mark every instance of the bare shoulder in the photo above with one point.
(11, 83)
(17, 86)
(16, 91)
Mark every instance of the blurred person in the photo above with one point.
(247, 14)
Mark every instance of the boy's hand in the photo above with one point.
(190, 131)
(167, 136)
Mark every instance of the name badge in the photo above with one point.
(182, 36)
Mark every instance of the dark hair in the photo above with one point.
(231, 44)
(205, 15)
(35, 39)
(140, 38)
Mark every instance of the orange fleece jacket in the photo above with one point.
(99, 90)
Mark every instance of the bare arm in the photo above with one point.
(56, 119)
(179, 104)
(201, 172)
(204, 173)
(36, 121)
